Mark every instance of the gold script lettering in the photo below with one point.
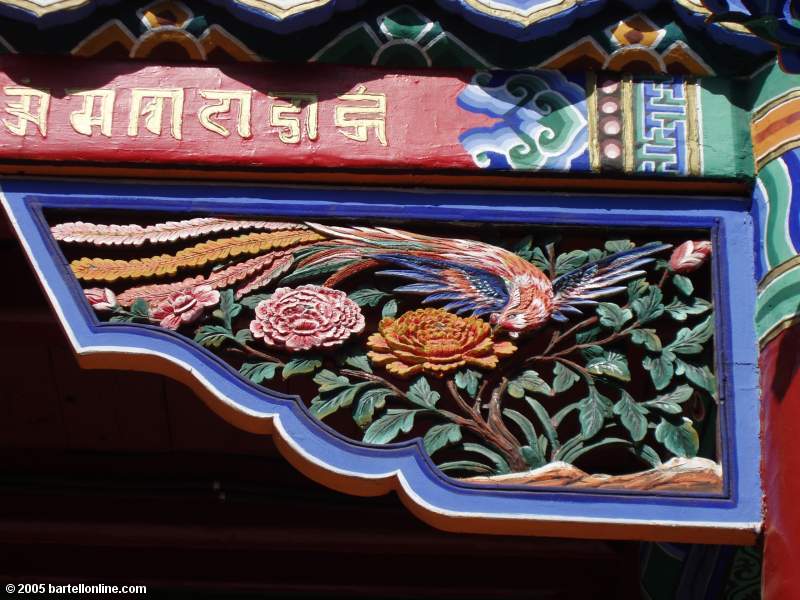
(287, 117)
(360, 119)
(23, 109)
(153, 110)
(223, 99)
(84, 119)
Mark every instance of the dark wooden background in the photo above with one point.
(115, 477)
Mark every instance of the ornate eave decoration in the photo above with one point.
(521, 20)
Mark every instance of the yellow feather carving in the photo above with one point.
(107, 269)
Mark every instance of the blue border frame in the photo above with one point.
(734, 297)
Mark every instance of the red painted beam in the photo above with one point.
(780, 385)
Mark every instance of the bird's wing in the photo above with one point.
(464, 288)
(598, 279)
(468, 275)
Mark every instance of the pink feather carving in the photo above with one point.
(266, 267)
(170, 231)
(279, 266)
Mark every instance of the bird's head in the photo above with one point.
(516, 322)
(529, 307)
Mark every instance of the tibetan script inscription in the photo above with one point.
(162, 109)
(206, 118)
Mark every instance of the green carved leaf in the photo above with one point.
(588, 335)
(612, 315)
(421, 394)
(212, 336)
(329, 381)
(591, 352)
(367, 296)
(690, 341)
(500, 464)
(243, 336)
(595, 254)
(252, 301)
(468, 380)
(389, 309)
(611, 364)
(368, 402)
(540, 260)
(439, 436)
(315, 270)
(532, 455)
(549, 425)
(594, 410)
(528, 381)
(140, 309)
(701, 377)
(523, 423)
(298, 366)
(564, 379)
(648, 307)
(679, 310)
(681, 440)
(684, 284)
(670, 403)
(523, 247)
(614, 246)
(258, 372)
(358, 361)
(632, 416)
(466, 465)
(322, 407)
(228, 308)
(647, 338)
(389, 426)
(636, 289)
(647, 454)
(570, 260)
(661, 370)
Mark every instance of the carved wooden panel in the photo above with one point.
(507, 363)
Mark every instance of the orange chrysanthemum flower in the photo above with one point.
(434, 341)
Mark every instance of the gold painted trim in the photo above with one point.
(776, 152)
(628, 146)
(591, 105)
(777, 329)
(771, 105)
(702, 10)
(781, 269)
(40, 11)
(282, 13)
(690, 91)
(523, 17)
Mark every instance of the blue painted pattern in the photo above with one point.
(542, 121)
(661, 136)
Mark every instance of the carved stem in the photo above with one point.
(257, 353)
(492, 431)
(377, 379)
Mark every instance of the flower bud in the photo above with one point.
(101, 299)
(689, 256)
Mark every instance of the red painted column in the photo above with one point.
(780, 385)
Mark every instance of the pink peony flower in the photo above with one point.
(689, 256)
(185, 306)
(306, 317)
(101, 299)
